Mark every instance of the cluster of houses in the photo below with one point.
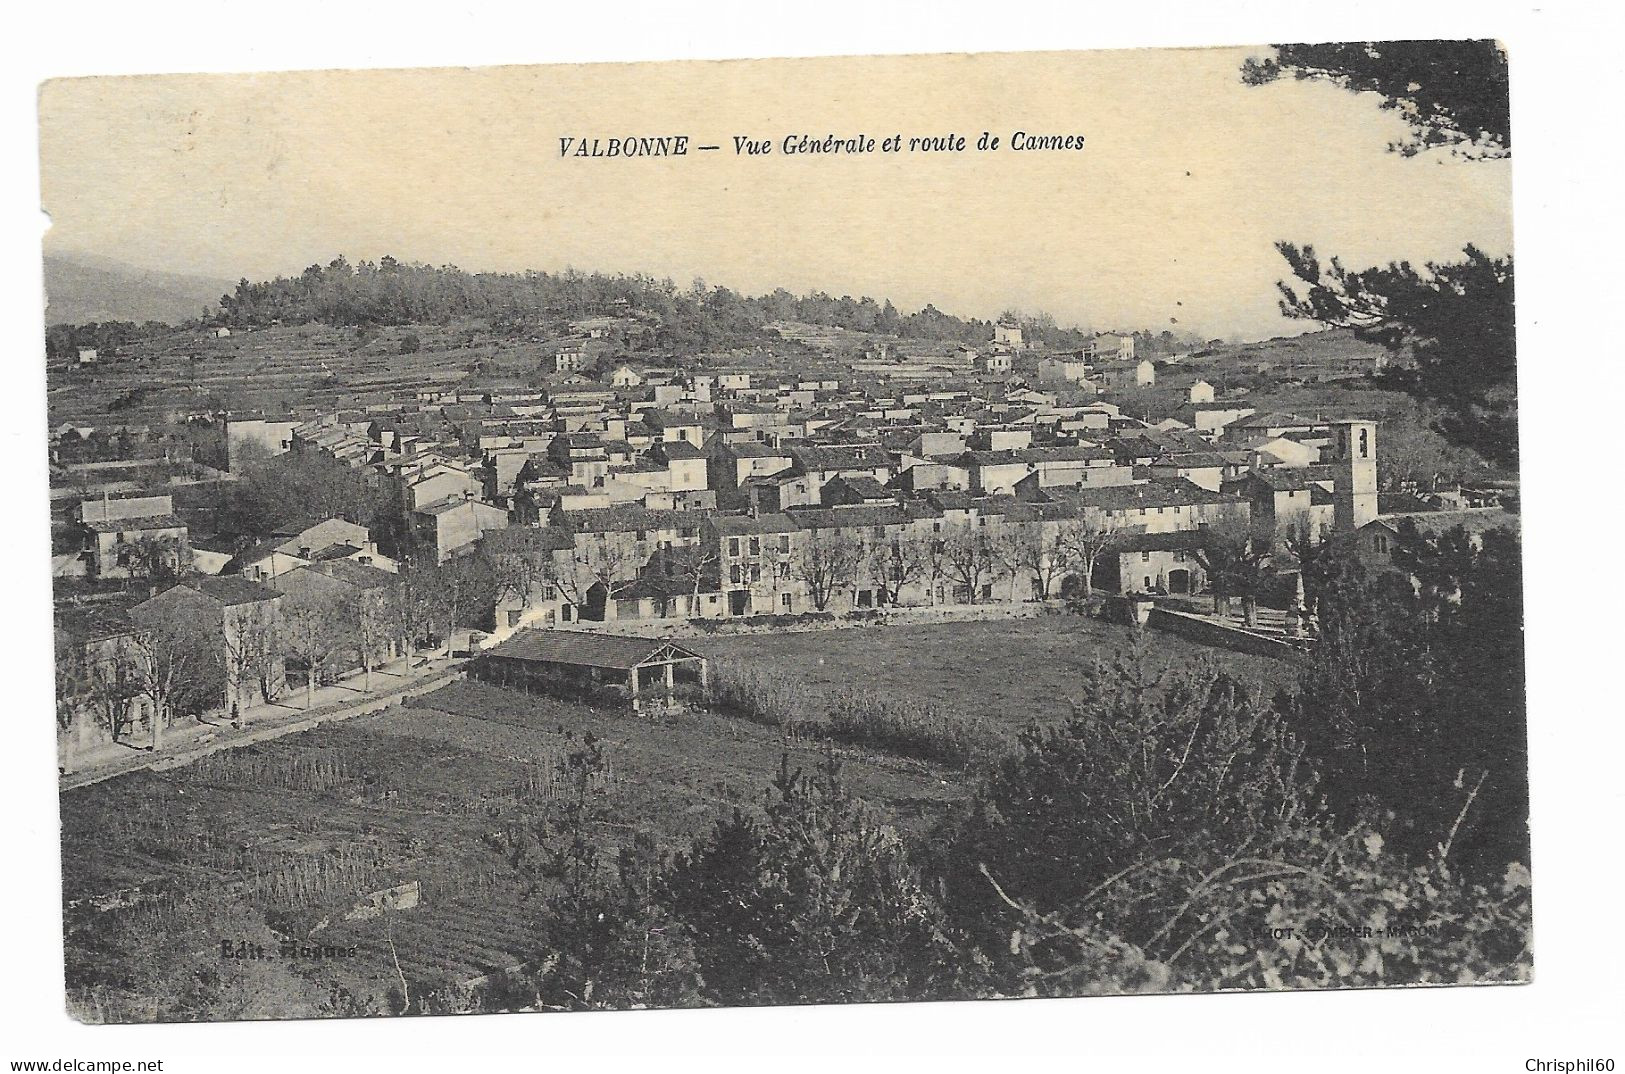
(722, 495)
(664, 494)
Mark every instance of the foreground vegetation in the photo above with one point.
(1157, 824)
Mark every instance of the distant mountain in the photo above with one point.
(80, 288)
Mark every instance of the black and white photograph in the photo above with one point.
(952, 528)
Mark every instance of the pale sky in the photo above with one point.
(1170, 212)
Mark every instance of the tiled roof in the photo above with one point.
(866, 487)
(840, 456)
(624, 517)
(360, 575)
(334, 552)
(1064, 453)
(1192, 459)
(1276, 479)
(230, 591)
(95, 621)
(1177, 493)
(525, 540)
(145, 522)
(829, 518)
(752, 449)
(734, 525)
(615, 651)
(1275, 419)
(680, 449)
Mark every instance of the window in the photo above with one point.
(784, 570)
(785, 601)
(1380, 543)
(733, 546)
(1179, 557)
(1145, 557)
(755, 546)
(784, 542)
(1148, 581)
(736, 574)
(755, 573)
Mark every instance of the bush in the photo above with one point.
(907, 727)
(816, 904)
(1170, 836)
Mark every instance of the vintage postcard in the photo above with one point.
(943, 527)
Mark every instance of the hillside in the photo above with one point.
(81, 288)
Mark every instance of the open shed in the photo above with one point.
(558, 660)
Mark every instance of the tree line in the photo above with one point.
(698, 317)
(176, 664)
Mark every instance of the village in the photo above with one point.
(779, 578)
(627, 499)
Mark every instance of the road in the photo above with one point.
(286, 715)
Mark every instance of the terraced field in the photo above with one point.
(284, 839)
(277, 368)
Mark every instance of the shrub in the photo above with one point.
(904, 726)
(1170, 835)
(817, 903)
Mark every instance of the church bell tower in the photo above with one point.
(1354, 481)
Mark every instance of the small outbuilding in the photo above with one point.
(565, 661)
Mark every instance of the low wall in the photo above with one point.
(261, 732)
(1208, 632)
(891, 615)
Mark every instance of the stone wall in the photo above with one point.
(1209, 632)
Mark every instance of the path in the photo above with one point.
(286, 715)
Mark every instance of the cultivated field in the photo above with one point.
(1011, 672)
(283, 839)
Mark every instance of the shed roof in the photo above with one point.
(615, 651)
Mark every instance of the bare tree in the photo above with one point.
(314, 627)
(1035, 548)
(968, 559)
(1082, 541)
(414, 605)
(698, 567)
(521, 576)
(113, 684)
(252, 654)
(566, 573)
(826, 561)
(177, 663)
(458, 588)
(900, 563)
(72, 691)
(611, 563)
(374, 626)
